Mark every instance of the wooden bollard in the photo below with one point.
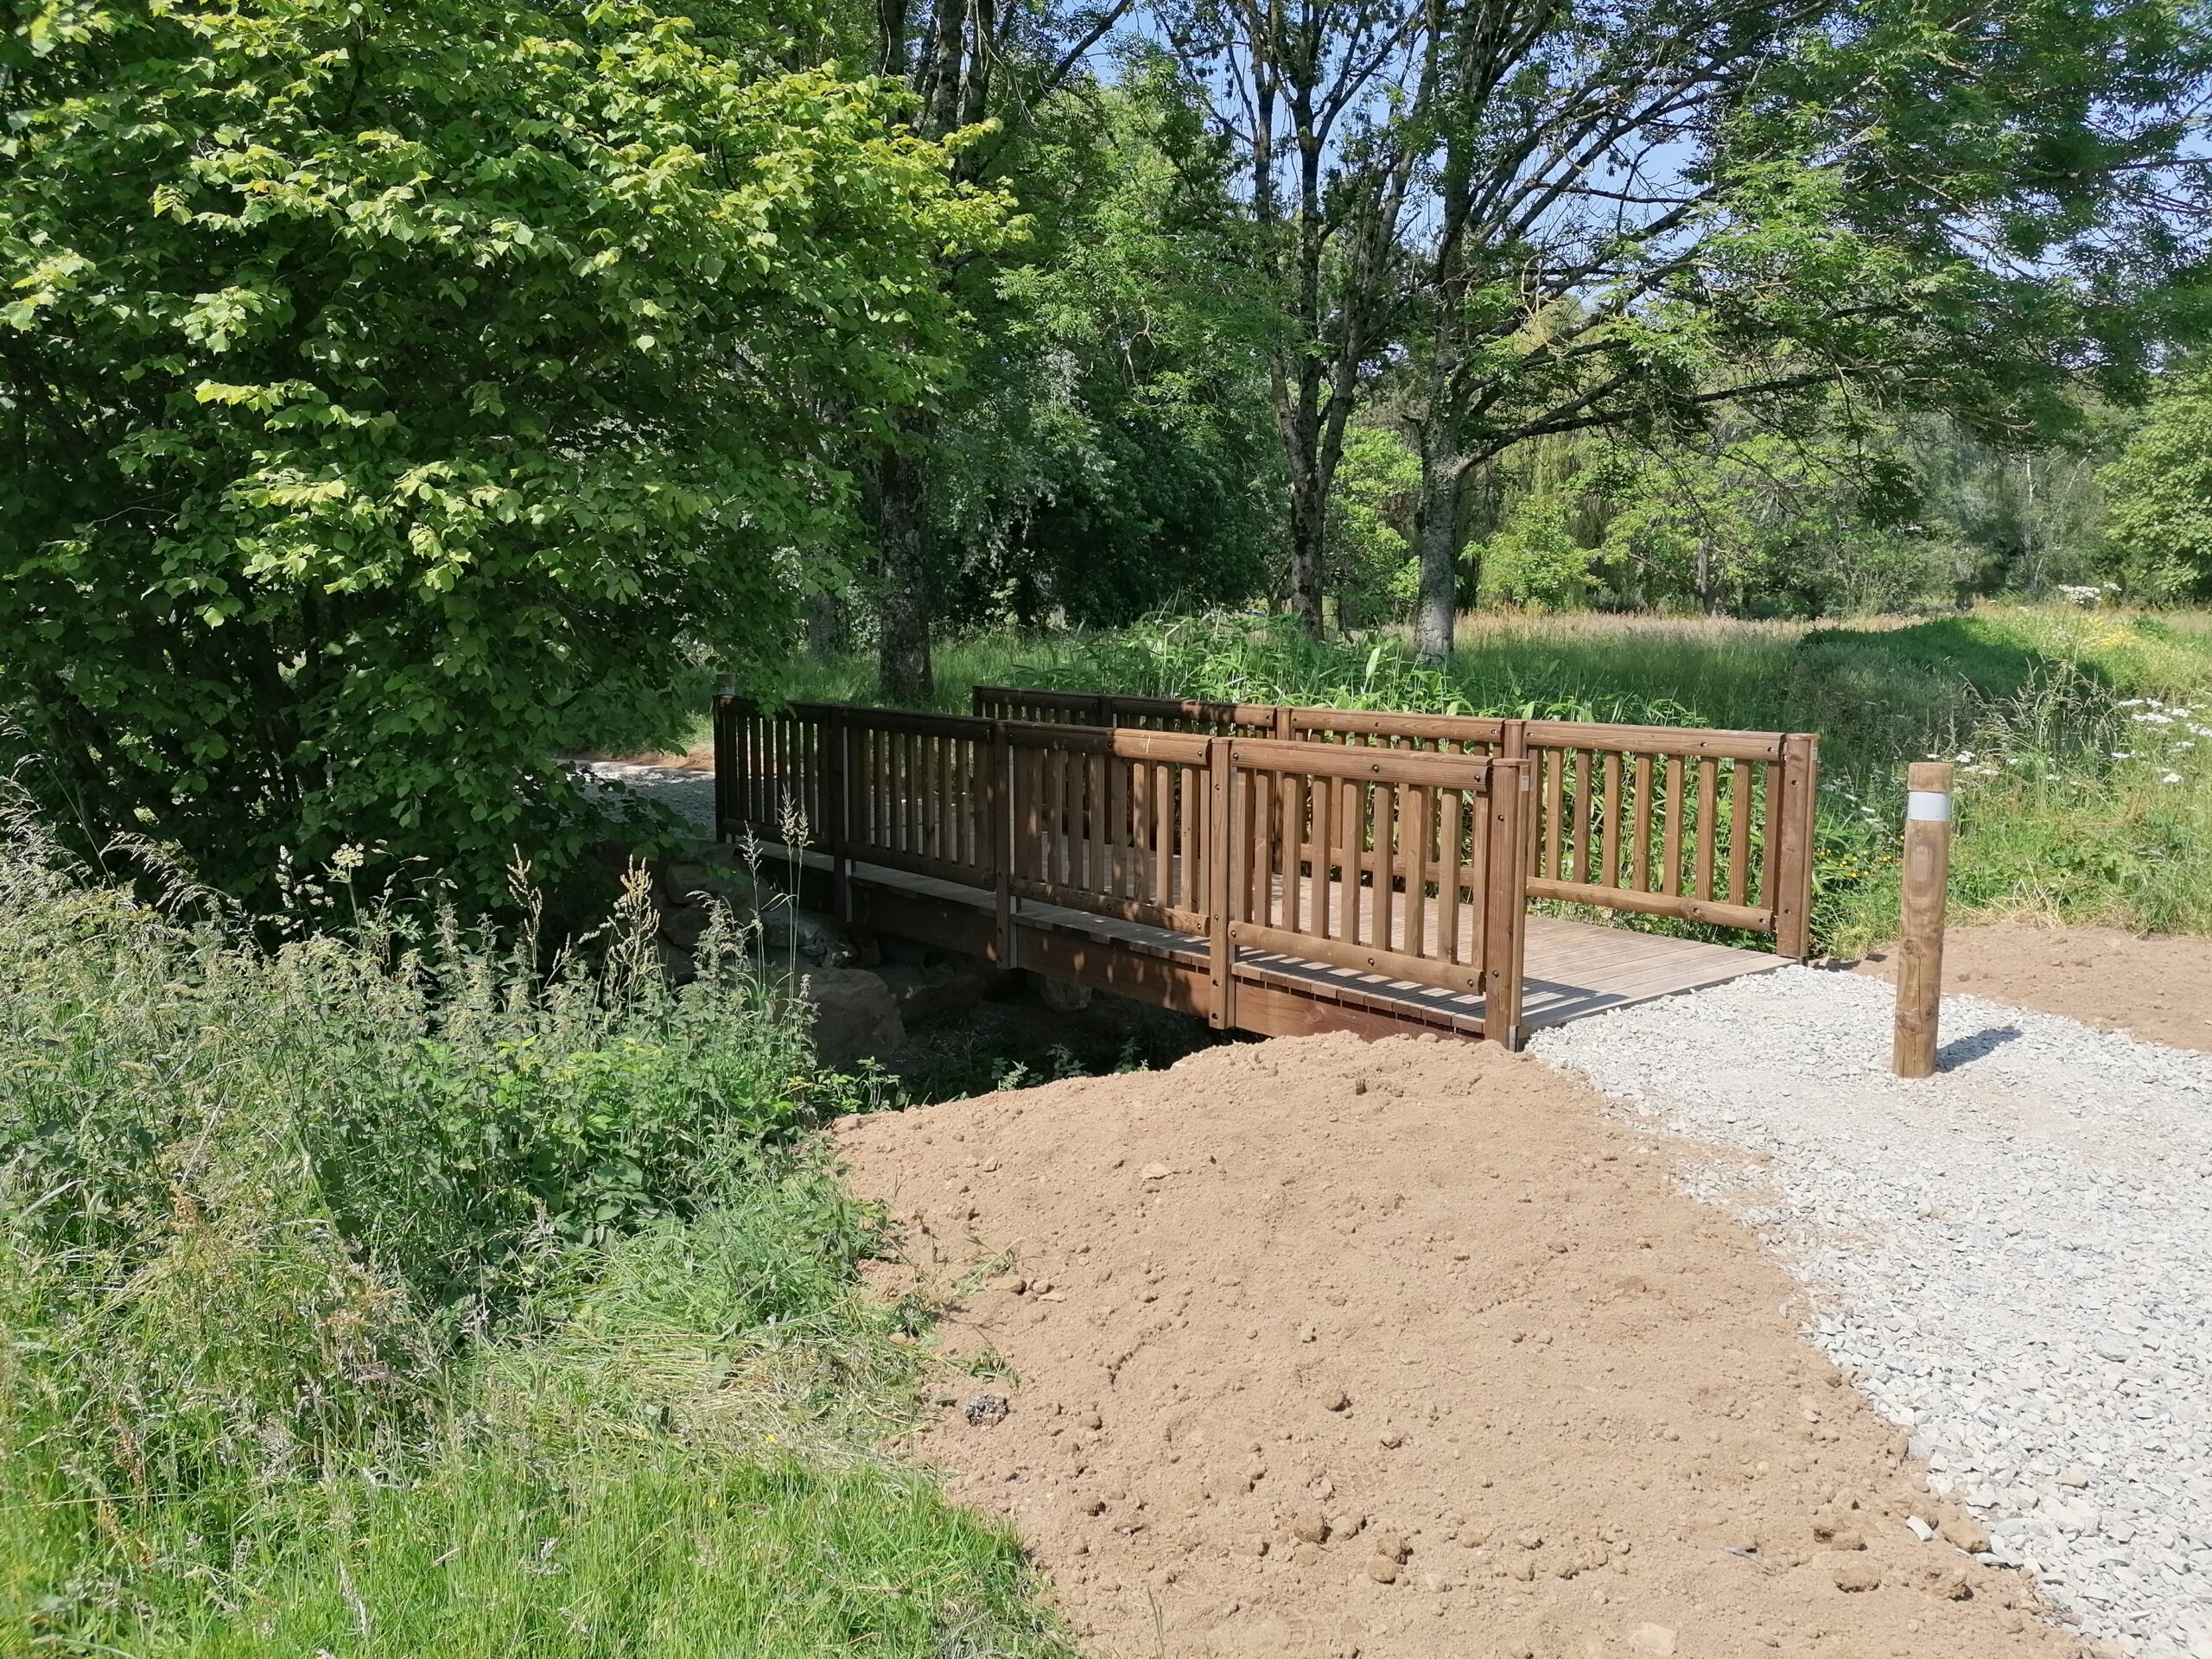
(1920, 937)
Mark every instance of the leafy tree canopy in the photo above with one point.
(2160, 492)
(392, 390)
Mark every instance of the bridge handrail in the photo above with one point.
(1698, 823)
(1235, 839)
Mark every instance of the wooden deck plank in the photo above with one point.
(1573, 968)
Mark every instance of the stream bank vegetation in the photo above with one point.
(388, 1296)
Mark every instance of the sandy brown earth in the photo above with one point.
(2158, 988)
(1318, 1347)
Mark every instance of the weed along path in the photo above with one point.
(1407, 1349)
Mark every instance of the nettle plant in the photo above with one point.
(393, 393)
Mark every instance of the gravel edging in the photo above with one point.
(2012, 1259)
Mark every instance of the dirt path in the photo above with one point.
(1320, 1347)
(2159, 989)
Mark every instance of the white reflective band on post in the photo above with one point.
(1927, 806)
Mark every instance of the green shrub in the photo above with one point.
(396, 1295)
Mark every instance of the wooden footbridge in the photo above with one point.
(1286, 870)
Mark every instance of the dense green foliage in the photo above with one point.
(2162, 490)
(391, 393)
(1111, 456)
(362, 1306)
(394, 397)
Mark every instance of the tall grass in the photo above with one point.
(391, 1295)
(2074, 805)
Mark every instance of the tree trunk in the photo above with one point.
(1308, 524)
(1436, 540)
(903, 600)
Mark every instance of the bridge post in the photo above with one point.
(725, 759)
(1221, 795)
(837, 794)
(1793, 866)
(1505, 896)
(998, 803)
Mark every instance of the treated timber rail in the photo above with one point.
(1281, 869)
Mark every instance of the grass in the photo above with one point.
(394, 1295)
(2084, 738)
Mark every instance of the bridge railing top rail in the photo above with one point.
(1698, 824)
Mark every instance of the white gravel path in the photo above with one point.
(678, 788)
(2013, 1257)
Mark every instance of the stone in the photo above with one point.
(1950, 1583)
(1310, 1527)
(855, 1016)
(1967, 1533)
(1656, 1640)
(684, 926)
(1335, 1400)
(1061, 995)
(1392, 1546)
(690, 881)
(937, 992)
(985, 1410)
(1919, 1528)
(1382, 1570)
(807, 936)
(1854, 1574)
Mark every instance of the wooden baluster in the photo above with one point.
(1553, 865)
(995, 833)
(1163, 835)
(1098, 852)
(1324, 840)
(928, 838)
(1189, 804)
(838, 741)
(1611, 878)
(1422, 802)
(918, 793)
(1221, 957)
(1037, 814)
(1672, 852)
(1450, 804)
(1380, 856)
(1253, 806)
(949, 813)
(1266, 797)
(1740, 830)
(1049, 808)
(1295, 907)
(887, 742)
(1117, 824)
(1708, 820)
(1579, 852)
(1640, 858)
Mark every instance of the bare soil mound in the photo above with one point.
(1320, 1347)
(2158, 989)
